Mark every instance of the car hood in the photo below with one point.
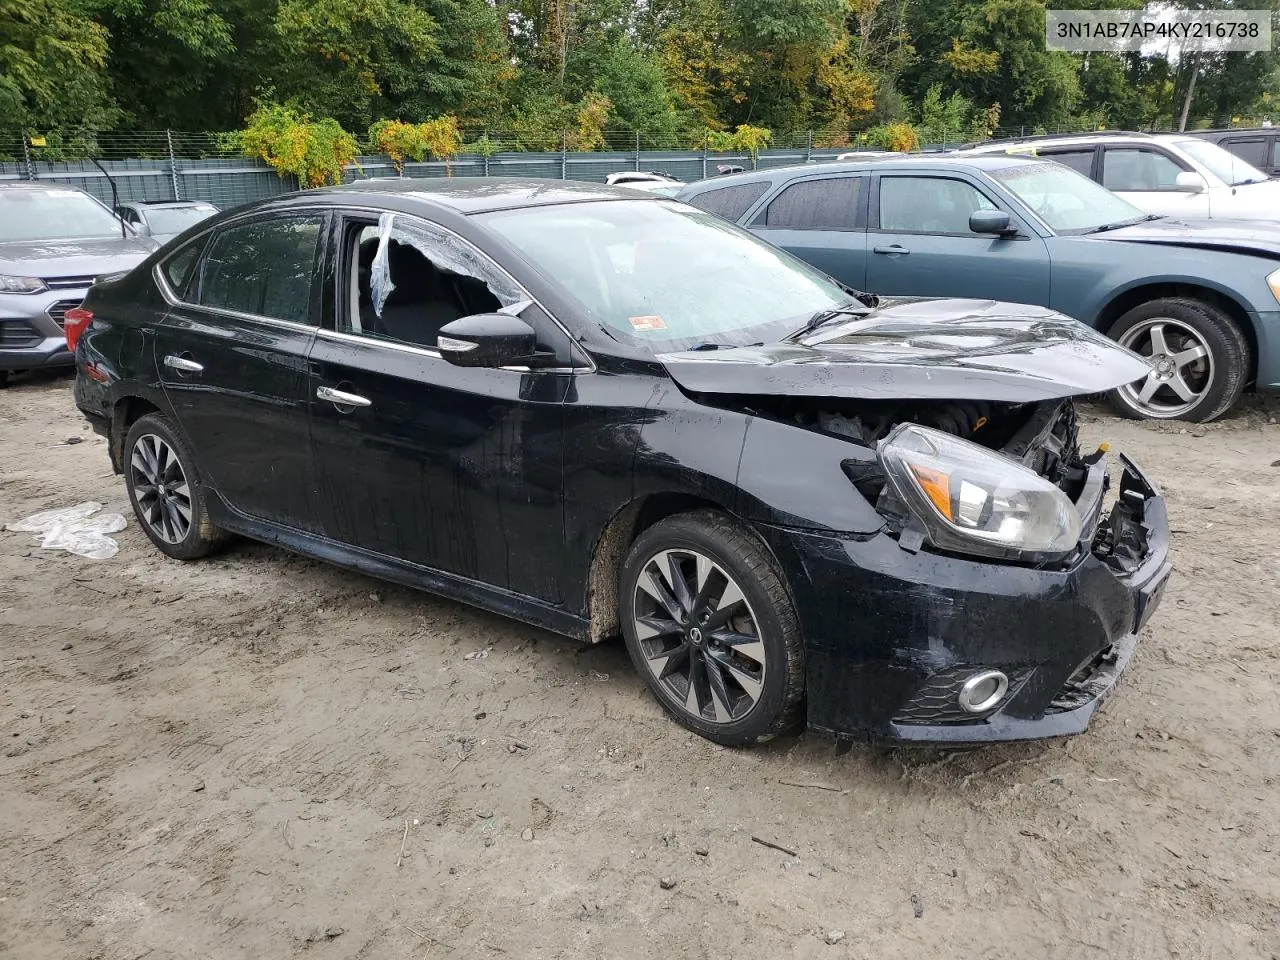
(923, 349)
(73, 258)
(1256, 237)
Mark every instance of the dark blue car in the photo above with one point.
(1200, 299)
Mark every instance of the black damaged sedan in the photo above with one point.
(603, 413)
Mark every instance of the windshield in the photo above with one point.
(176, 219)
(1223, 164)
(667, 275)
(1067, 201)
(53, 215)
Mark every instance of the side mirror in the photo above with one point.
(991, 221)
(141, 229)
(1189, 182)
(486, 340)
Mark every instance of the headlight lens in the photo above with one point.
(1273, 281)
(21, 284)
(974, 501)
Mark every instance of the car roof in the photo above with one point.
(946, 162)
(1073, 139)
(483, 194)
(40, 185)
(153, 204)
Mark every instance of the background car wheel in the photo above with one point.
(166, 490)
(711, 628)
(1201, 360)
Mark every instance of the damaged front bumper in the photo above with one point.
(892, 636)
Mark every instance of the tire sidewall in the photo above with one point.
(196, 543)
(763, 718)
(1221, 337)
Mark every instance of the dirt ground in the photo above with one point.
(219, 760)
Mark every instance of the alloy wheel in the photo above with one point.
(160, 488)
(699, 636)
(1181, 367)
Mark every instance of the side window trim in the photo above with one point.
(333, 301)
(873, 221)
(175, 299)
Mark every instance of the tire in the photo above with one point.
(177, 518)
(1205, 383)
(743, 658)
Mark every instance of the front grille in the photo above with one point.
(69, 283)
(935, 701)
(58, 311)
(18, 334)
(1086, 683)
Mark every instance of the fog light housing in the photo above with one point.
(983, 691)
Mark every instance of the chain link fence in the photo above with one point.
(177, 165)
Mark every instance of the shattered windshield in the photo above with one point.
(666, 275)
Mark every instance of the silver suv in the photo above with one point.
(54, 242)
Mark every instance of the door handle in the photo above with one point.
(182, 364)
(891, 249)
(340, 398)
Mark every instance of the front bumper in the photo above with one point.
(31, 328)
(892, 635)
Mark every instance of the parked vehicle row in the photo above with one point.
(1199, 299)
(55, 241)
(603, 412)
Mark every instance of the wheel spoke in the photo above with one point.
(720, 699)
(652, 583)
(145, 492)
(1180, 386)
(708, 577)
(182, 491)
(750, 685)
(667, 662)
(655, 628)
(748, 645)
(1158, 344)
(691, 702)
(181, 512)
(1190, 355)
(679, 586)
(139, 462)
(1149, 388)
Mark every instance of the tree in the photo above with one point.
(52, 68)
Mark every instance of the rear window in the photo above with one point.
(830, 204)
(178, 268)
(730, 202)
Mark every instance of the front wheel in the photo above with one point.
(1199, 356)
(712, 630)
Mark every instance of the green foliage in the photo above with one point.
(314, 151)
(745, 139)
(894, 136)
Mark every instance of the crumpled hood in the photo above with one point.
(1257, 237)
(923, 349)
(74, 258)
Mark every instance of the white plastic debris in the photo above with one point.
(76, 530)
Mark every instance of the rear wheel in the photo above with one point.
(166, 490)
(712, 630)
(1200, 361)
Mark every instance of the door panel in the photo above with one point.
(237, 383)
(822, 222)
(458, 469)
(923, 246)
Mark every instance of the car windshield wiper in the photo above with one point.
(1245, 182)
(723, 346)
(855, 308)
(1125, 223)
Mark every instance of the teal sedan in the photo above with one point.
(1199, 299)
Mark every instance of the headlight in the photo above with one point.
(974, 501)
(21, 284)
(1273, 281)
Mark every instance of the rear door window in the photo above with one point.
(929, 205)
(830, 204)
(1081, 161)
(1252, 150)
(730, 202)
(266, 268)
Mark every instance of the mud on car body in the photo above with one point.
(605, 413)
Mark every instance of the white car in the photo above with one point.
(648, 182)
(1170, 174)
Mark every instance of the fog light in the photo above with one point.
(982, 691)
